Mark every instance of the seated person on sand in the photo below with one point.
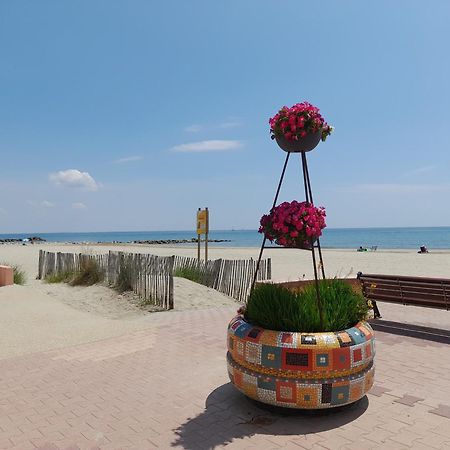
(423, 249)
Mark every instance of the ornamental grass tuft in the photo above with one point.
(277, 308)
(60, 277)
(88, 275)
(190, 273)
(124, 282)
(19, 275)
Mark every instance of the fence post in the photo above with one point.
(170, 274)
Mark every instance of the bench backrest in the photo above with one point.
(421, 291)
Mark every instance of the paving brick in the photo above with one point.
(434, 441)
(443, 429)
(6, 444)
(406, 437)
(408, 400)
(378, 390)
(378, 435)
(441, 410)
(158, 388)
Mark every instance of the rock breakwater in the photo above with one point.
(31, 240)
(178, 241)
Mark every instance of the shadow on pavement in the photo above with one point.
(230, 415)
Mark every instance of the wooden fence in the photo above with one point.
(231, 277)
(148, 276)
(151, 277)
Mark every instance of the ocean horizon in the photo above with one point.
(388, 238)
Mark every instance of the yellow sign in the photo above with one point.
(202, 221)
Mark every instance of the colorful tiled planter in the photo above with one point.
(301, 370)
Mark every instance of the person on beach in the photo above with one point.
(423, 249)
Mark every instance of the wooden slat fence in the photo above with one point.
(148, 276)
(151, 277)
(231, 277)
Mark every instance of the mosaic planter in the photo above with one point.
(301, 370)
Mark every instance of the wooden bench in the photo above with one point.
(419, 291)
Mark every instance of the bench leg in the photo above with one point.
(376, 311)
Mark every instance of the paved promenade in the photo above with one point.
(167, 387)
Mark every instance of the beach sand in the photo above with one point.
(40, 316)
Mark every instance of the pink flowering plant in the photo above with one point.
(296, 122)
(293, 224)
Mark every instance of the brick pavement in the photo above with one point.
(167, 387)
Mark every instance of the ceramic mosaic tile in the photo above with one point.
(301, 370)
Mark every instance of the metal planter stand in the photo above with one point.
(315, 245)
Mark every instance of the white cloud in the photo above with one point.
(208, 146)
(193, 128)
(230, 124)
(420, 170)
(75, 179)
(397, 188)
(43, 204)
(127, 159)
(78, 205)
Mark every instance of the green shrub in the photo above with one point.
(88, 274)
(275, 307)
(190, 273)
(63, 277)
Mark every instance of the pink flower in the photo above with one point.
(301, 116)
(291, 223)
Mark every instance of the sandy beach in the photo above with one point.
(39, 316)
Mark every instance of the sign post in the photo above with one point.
(202, 228)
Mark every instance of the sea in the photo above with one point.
(352, 238)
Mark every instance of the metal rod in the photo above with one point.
(307, 178)
(319, 248)
(309, 199)
(316, 281)
(308, 183)
(305, 172)
(273, 206)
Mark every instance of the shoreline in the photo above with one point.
(193, 245)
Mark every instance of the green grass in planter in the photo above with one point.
(277, 308)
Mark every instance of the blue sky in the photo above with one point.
(130, 115)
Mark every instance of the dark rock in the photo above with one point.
(177, 241)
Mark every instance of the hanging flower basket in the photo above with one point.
(305, 144)
(299, 128)
(294, 224)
